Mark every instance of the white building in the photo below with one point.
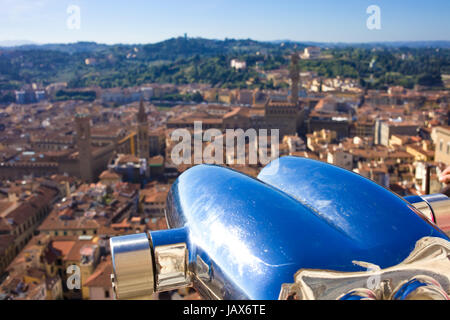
(295, 144)
(341, 159)
(238, 64)
(311, 53)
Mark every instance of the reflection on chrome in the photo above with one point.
(359, 294)
(229, 240)
(235, 237)
(171, 267)
(420, 288)
(440, 205)
(133, 267)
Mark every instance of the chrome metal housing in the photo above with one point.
(132, 261)
(171, 259)
(420, 288)
(425, 274)
(235, 237)
(436, 207)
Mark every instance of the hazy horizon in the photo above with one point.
(20, 42)
(143, 21)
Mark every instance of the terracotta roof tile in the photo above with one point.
(102, 275)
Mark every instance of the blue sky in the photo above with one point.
(148, 21)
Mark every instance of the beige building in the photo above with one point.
(421, 152)
(55, 226)
(153, 200)
(340, 158)
(25, 218)
(318, 138)
(99, 283)
(82, 252)
(7, 251)
(442, 153)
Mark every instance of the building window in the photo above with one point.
(106, 293)
(441, 144)
(448, 148)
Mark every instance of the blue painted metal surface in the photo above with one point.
(254, 236)
(380, 223)
(407, 288)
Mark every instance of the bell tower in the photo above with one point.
(295, 78)
(287, 116)
(83, 130)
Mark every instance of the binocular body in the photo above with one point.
(235, 237)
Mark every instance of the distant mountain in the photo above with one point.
(192, 46)
(68, 48)
(15, 43)
(398, 44)
(174, 48)
(444, 44)
(164, 49)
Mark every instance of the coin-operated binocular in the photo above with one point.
(303, 229)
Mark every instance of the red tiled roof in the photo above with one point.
(102, 275)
